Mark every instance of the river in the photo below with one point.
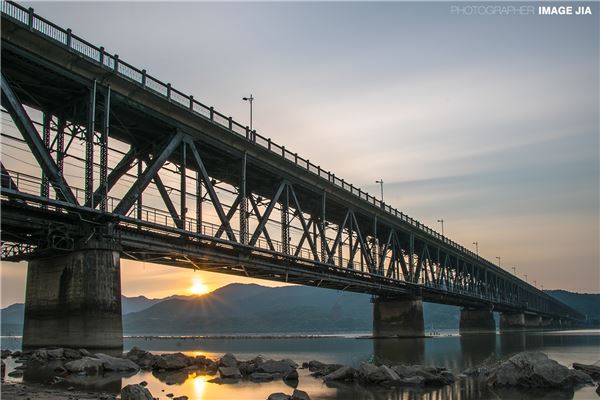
(446, 349)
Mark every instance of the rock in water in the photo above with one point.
(230, 373)
(535, 370)
(135, 392)
(172, 361)
(86, 364)
(277, 367)
(278, 396)
(300, 395)
(344, 373)
(5, 353)
(228, 360)
(590, 369)
(110, 363)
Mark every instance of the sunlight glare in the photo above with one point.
(198, 287)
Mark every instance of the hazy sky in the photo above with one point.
(489, 122)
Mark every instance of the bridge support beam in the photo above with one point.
(512, 322)
(476, 320)
(547, 323)
(533, 321)
(398, 317)
(74, 300)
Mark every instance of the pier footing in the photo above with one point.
(398, 317)
(476, 320)
(74, 300)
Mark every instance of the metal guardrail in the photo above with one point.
(64, 37)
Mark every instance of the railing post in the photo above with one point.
(169, 91)
(144, 78)
(247, 133)
(116, 66)
(69, 38)
(102, 55)
(230, 123)
(283, 151)
(212, 113)
(269, 143)
(191, 102)
(30, 20)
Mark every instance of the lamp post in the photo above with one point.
(514, 270)
(525, 275)
(498, 257)
(250, 100)
(381, 184)
(476, 248)
(441, 221)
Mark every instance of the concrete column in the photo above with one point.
(476, 320)
(74, 300)
(547, 323)
(533, 321)
(512, 322)
(398, 317)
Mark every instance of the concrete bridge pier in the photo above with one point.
(74, 299)
(510, 322)
(547, 323)
(476, 320)
(398, 317)
(533, 321)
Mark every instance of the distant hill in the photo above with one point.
(240, 308)
(585, 303)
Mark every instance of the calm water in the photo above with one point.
(454, 352)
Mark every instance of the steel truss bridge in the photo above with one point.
(173, 181)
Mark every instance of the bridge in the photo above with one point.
(103, 161)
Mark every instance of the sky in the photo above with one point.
(489, 122)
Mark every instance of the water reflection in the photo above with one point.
(453, 352)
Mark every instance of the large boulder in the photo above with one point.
(110, 363)
(345, 373)
(143, 358)
(230, 373)
(372, 374)
(277, 367)
(86, 364)
(135, 392)
(4, 353)
(261, 377)
(72, 354)
(300, 395)
(172, 361)
(228, 360)
(535, 370)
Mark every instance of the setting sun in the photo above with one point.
(198, 287)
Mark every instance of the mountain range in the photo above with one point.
(250, 308)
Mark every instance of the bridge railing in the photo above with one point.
(27, 17)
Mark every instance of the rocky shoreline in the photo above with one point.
(532, 370)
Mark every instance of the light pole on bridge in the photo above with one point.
(514, 270)
(380, 181)
(441, 221)
(476, 248)
(498, 257)
(250, 100)
(525, 275)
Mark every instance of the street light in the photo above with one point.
(476, 248)
(441, 221)
(249, 99)
(514, 270)
(498, 257)
(381, 184)
(525, 275)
